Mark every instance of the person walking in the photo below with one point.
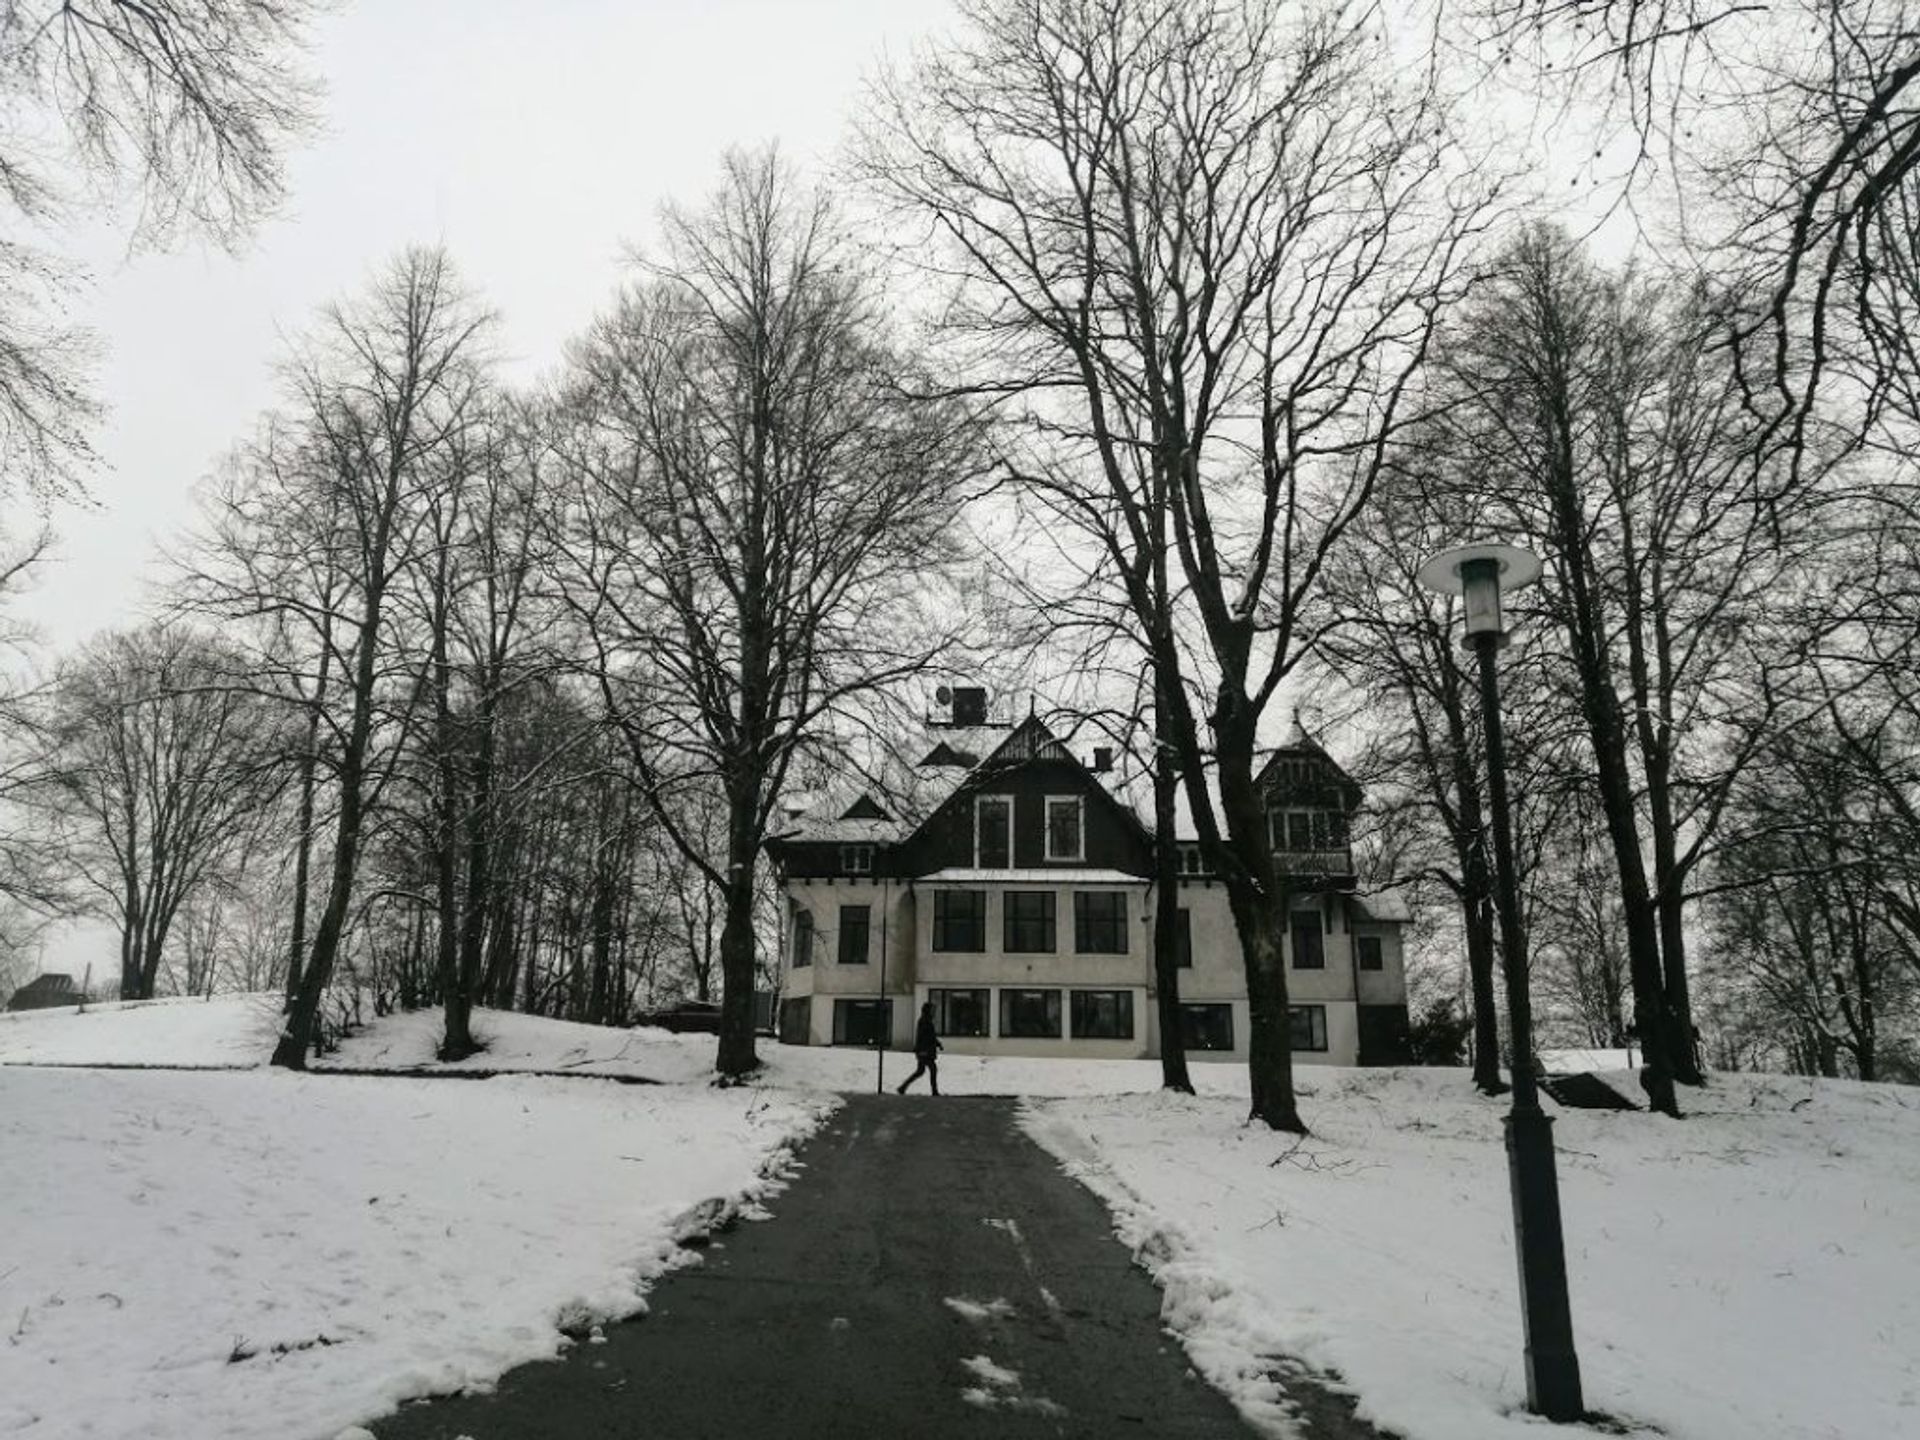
(926, 1045)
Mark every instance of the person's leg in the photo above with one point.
(933, 1073)
(901, 1088)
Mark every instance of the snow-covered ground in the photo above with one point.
(1751, 1273)
(227, 1031)
(197, 1256)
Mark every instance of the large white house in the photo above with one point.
(1010, 886)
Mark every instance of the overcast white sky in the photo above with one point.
(533, 140)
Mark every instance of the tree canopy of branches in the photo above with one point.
(318, 535)
(160, 766)
(191, 101)
(1199, 250)
(765, 506)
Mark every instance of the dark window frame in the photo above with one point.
(1052, 1008)
(864, 926)
(1311, 956)
(980, 860)
(1036, 934)
(1314, 1019)
(944, 923)
(856, 859)
(845, 1007)
(1080, 1002)
(1370, 953)
(1079, 805)
(802, 956)
(941, 998)
(1089, 930)
(1183, 938)
(1193, 1034)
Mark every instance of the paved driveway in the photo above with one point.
(930, 1274)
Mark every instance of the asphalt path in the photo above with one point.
(930, 1274)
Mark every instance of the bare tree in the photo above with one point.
(380, 393)
(1199, 250)
(159, 768)
(190, 102)
(1792, 133)
(765, 506)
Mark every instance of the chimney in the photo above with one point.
(1102, 759)
(969, 705)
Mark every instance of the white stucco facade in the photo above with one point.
(901, 962)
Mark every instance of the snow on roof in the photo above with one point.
(1054, 875)
(1384, 906)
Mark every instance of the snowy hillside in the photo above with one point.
(1751, 1273)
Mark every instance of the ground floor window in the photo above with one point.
(795, 1011)
(959, 1012)
(862, 1022)
(1103, 1014)
(1309, 1027)
(1206, 1027)
(1030, 1014)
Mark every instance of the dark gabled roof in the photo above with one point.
(1298, 745)
(865, 808)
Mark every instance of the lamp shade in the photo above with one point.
(1479, 574)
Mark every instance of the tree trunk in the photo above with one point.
(1166, 916)
(303, 840)
(297, 1036)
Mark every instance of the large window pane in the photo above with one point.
(1183, 938)
(1372, 956)
(1103, 1014)
(854, 924)
(802, 939)
(1028, 922)
(1207, 1027)
(1309, 1027)
(862, 1022)
(960, 921)
(993, 832)
(1100, 922)
(1309, 950)
(1030, 1014)
(959, 1012)
(1063, 829)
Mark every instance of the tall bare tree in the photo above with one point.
(380, 393)
(1199, 249)
(766, 503)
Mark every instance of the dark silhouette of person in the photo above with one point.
(926, 1046)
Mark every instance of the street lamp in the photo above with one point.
(1477, 574)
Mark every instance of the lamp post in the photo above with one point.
(1477, 573)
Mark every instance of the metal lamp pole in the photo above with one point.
(1477, 573)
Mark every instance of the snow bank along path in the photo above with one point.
(1751, 1273)
(197, 1257)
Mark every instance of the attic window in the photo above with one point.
(993, 832)
(1190, 862)
(1066, 834)
(856, 859)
